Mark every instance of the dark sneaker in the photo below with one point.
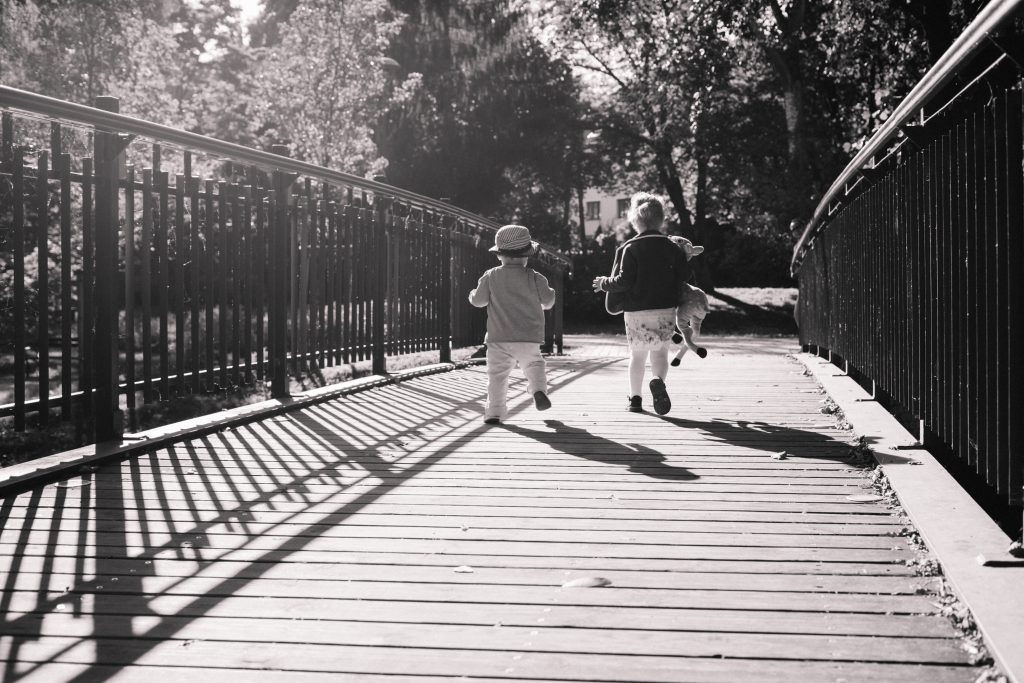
(541, 400)
(662, 403)
(635, 404)
(702, 352)
(491, 421)
(677, 338)
(675, 362)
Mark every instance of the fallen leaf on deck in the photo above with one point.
(587, 582)
(781, 455)
(864, 498)
(71, 484)
(463, 569)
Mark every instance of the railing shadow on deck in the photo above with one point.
(332, 436)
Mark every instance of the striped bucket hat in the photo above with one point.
(514, 240)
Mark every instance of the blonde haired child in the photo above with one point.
(649, 270)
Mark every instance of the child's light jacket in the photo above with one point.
(516, 298)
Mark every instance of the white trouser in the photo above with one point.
(501, 358)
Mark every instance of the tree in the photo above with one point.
(319, 88)
(495, 117)
(656, 70)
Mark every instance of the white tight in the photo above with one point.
(638, 363)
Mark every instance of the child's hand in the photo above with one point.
(599, 283)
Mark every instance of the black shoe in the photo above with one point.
(491, 421)
(675, 363)
(702, 352)
(635, 404)
(677, 338)
(541, 400)
(662, 403)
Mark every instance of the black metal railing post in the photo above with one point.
(445, 303)
(105, 151)
(381, 211)
(280, 282)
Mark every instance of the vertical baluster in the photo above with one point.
(331, 286)
(146, 282)
(67, 310)
(163, 286)
(976, 233)
(419, 311)
(998, 469)
(210, 229)
(19, 288)
(280, 231)
(360, 265)
(447, 270)
(347, 322)
(964, 256)
(311, 287)
(195, 269)
(85, 304)
(1014, 285)
(248, 280)
(262, 204)
(130, 293)
(180, 256)
(991, 303)
(43, 283)
(223, 265)
(237, 260)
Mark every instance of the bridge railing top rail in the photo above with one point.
(83, 115)
(975, 37)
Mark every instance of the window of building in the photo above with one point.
(593, 210)
(622, 208)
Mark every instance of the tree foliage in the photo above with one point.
(742, 112)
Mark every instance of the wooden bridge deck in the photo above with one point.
(391, 536)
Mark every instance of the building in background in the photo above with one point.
(603, 210)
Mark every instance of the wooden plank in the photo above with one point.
(285, 500)
(255, 522)
(214, 546)
(38, 571)
(558, 616)
(524, 664)
(86, 559)
(44, 509)
(708, 533)
(619, 641)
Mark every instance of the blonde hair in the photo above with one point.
(646, 211)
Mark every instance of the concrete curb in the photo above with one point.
(953, 526)
(34, 472)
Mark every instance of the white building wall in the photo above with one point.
(610, 209)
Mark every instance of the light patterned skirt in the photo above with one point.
(651, 329)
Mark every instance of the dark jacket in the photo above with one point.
(652, 271)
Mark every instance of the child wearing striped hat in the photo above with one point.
(516, 297)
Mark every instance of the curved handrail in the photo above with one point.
(966, 46)
(53, 108)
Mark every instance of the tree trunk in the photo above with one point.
(583, 221)
(670, 181)
(700, 268)
(793, 105)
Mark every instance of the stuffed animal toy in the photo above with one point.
(692, 308)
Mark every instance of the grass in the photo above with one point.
(755, 311)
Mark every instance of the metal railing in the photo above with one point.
(141, 261)
(911, 273)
